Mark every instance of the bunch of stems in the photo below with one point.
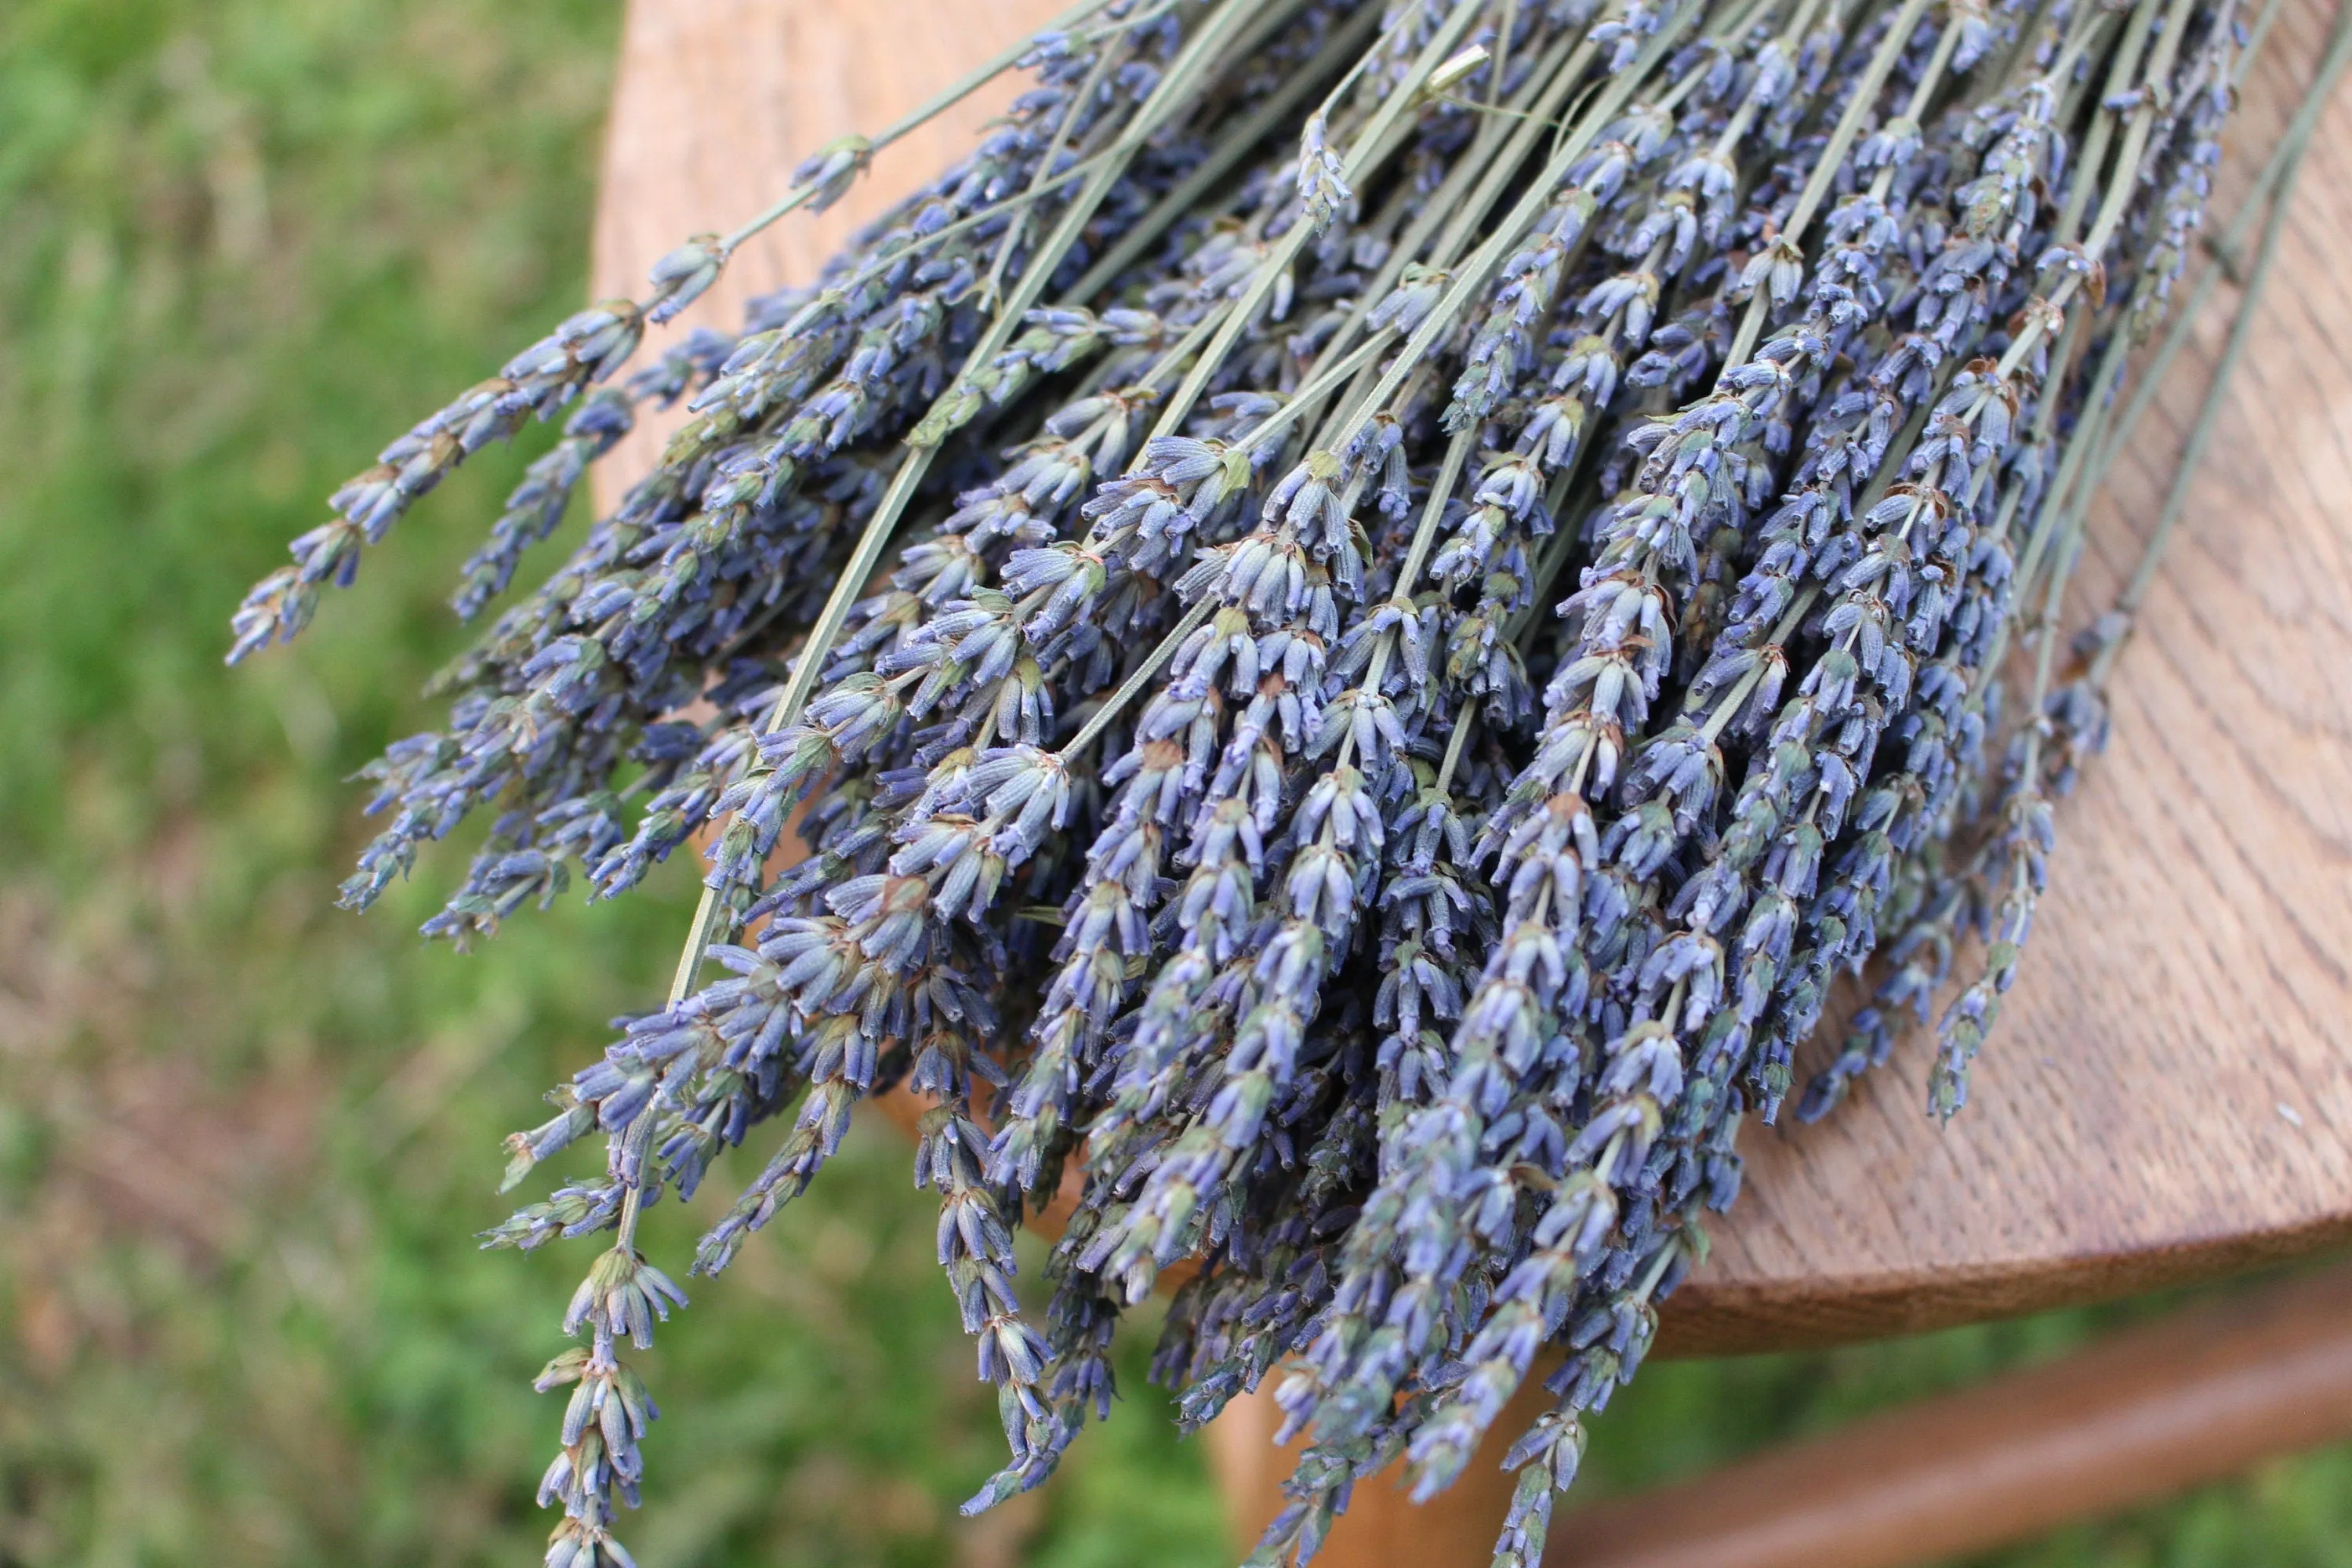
(1337, 638)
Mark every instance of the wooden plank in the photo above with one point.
(716, 101)
(2169, 1093)
(2194, 1397)
(2149, 1411)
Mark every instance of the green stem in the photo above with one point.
(2260, 33)
(1849, 125)
(1454, 743)
(2143, 124)
(1182, 348)
(1449, 474)
(992, 285)
(1325, 378)
(1232, 146)
(1424, 534)
(1511, 230)
(1730, 705)
(2092, 154)
(1503, 32)
(2266, 183)
(947, 97)
(2019, 56)
(1824, 175)
(1549, 87)
(2285, 165)
(1916, 110)
(1175, 89)
(1100, 720)
(1372, 146)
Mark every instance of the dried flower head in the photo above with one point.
(1124, 576)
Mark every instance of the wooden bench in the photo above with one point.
(2169, 1096)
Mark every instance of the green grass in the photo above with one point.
(246, 1140)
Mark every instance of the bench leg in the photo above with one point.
(1382, 1525)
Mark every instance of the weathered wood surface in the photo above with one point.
(2169, 1094)
(2196, 1398)
(2169, 1091)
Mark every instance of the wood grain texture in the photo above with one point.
(2169, 1091)
(2196, 1398)
(716, 101)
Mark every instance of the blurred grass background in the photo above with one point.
(246, 1140)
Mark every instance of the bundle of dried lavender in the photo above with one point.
(1201, 791)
